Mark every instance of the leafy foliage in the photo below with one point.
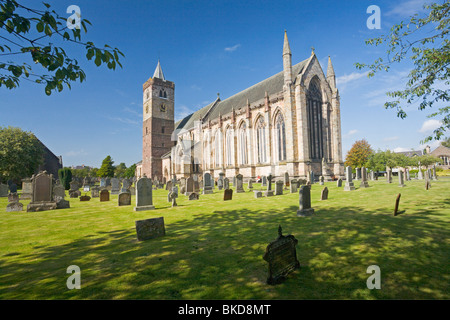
(28, 33)
(21, 153)
(358, 154)
(65, 177)
(130, 172)
(425, 41)
(107, 168)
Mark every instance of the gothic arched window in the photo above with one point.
(242, 144)
(261, 140)
(229, 147)
(314, 115)
(218, 148)
(280, 136)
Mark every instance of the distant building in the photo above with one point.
(81, 167)
(443, 153)
(412, 153)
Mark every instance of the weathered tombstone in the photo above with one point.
(305, 202)
(321, 180)
(282, 257)
(3, 190)
(324, 194)
(12, 188)
(348, 177)
(397, 202)
(150, 228)
(169, 185)
(144, 194)
(13, 203)
(286, 180)
(389, 175)
(189, 186)
(102, 182)
(258, 194)
(293, 186)
(228, 194)
(420, 174)
(124, 199)
(194, 196)
(279, 187)
(126, 184)
(42, 197)
(358, 174)
(372, 175)
(250, 184)
(95, 192)
(74, 186)
(207, 183)
(85, 198)
(58, 196)
(269, 191)
(226, 183)
(220, 181)
(364, 183)
(196, 187)
(115, 186)
(26, 189)
(434, 173)
(427, 181)
(408, 176)
(74, 193)
(312, 177)
(104, 195)
(264, 181)
(339, 182)
(400, 179)
(239, 183)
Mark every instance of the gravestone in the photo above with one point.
(434, 177)
(13, 203)
(264, 181)
(286, 180)
(196, 187)
(305, 202)
(12, 188)
(282, 257)
(228, 194)
(207, 183)
(126, 184)
(74, 193)
(397, 202)
(3, 190)
(348, 179)
(364, 182)
(85, 198)
(58, 196)
(339, 182)
(269, 191)
(258, 194)
(321, 180)
(104, 195)
(150, 228)
(172, 196)
(388, 175)
(372, 175)
(279, 187)
(95, 192)
(293, 186)
(420, 174)
(169, 185)
(324, 194)
(226, 183)
(358, 174)
(42, 196)
(194, 196)
(189, 186)
(427, 181)
(239, 183)
(26, 189)
(102, 182)
(312, 177)
(144, 194)
(400, 179)
(220, 181)
(74, 186)
(124, 199)
(250, 184)
(115, 186)
(408, 176)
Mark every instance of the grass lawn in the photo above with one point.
(213, 249)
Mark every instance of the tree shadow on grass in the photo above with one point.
(219, 256)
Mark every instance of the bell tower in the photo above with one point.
(158, 122)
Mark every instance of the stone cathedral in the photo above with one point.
(289, 122)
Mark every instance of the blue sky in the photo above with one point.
(210, 47)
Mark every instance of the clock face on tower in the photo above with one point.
(162, 107)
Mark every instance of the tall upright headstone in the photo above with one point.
(42, 197)
(279, 184)
(305, 209)
(388, 175)
(400, 179)
(3, 190)
(189, 186)
(324, 194)
(207, 183)
(58, 196)
(144, 194)
(364, 182)
(220, 180)
(321, 180)
(269, 191)
(349, 186)
(293, 186)
(26, 189)
(115, 186)
(239, 183)
(286, 180)
(226, 183)
(339, 182)
(104, 195)
(358, 174)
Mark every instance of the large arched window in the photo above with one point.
(218, 148)
(280, 136)
(206, 151)
(242, 145)
(229, 143)
(261, 140)
(314, 112)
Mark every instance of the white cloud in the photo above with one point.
(430, 125)
(233, 48)
(401, 149)
(350, 77)
(350, 133)
(407, 8)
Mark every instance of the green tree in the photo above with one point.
(428, 160)
(107, 168)
(425, 41)
(21, 153)
(130, 172)
(446, 143)
(120, 170)
(65, 177)
(359, 154)
(41, 36)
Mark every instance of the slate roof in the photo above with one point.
(272, 85)
(411, 153)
